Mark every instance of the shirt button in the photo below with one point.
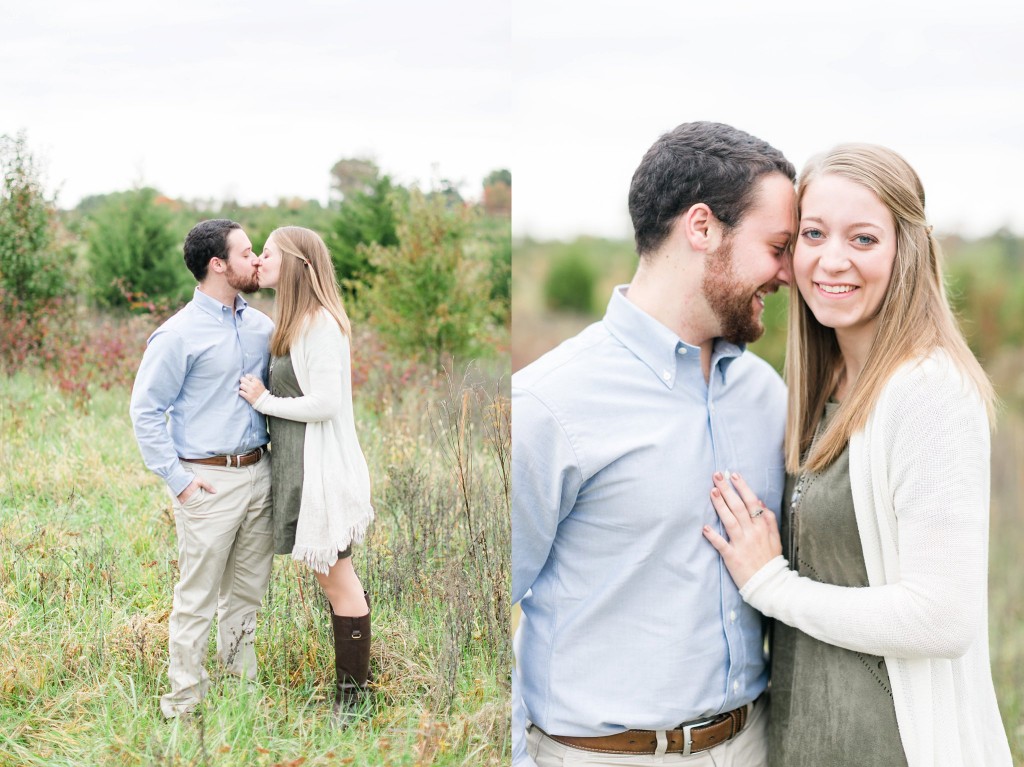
(681, 351)
(732, 615)
(666, 375)
(736, 686)
(711, 406)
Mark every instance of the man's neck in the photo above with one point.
(220, 291)
(670, 293)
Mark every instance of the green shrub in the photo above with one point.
(365, 218)
(492, 243)
(31, 266)
(134, 247)
(428, 297)
(500, 276)
(569, 285)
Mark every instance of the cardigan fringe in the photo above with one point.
(322, 558)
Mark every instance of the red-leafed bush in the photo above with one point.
(77, 350)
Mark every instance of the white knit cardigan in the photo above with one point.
(335, 508)
(920, 477)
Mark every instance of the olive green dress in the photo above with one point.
(287, 443)
(829, 706)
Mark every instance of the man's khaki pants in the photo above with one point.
(748, 749)
(225, 554)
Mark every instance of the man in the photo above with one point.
(209, 446)
(629, 619)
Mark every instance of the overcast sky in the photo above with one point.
(255, 100)
(595, 84)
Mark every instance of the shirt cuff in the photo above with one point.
(179, 480)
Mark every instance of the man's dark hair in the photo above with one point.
(208, 239)
(706, 162)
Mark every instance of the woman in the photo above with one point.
(880, 649)
(321, 484)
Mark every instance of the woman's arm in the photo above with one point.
(325, 354)
(936, 443)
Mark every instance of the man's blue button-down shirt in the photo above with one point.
(629, 617)
(185, 400)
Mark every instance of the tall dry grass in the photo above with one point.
(88, 563)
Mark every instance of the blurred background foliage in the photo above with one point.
(559, 286)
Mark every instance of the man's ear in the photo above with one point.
(700, 227)
(217, 265)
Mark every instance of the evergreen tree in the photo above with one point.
(30, 268)
(134, 248)
(365, 218)
(428, 298)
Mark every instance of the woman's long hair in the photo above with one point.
(306, 284)
(914, 319)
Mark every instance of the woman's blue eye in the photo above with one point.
(813, 234)
(864, 239)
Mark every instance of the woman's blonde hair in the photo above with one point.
(914, 319)
(306, 283)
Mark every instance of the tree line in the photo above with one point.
(429, 270)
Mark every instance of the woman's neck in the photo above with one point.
(854, 346)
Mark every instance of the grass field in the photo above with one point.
(88, 563)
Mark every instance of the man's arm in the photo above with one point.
(545, 481)
(546, 478)
(157, 385)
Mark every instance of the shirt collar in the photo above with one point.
(657, 346)
(215, 308)
(724, 354)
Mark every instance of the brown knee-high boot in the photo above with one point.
(351, 662)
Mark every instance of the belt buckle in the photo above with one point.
(688, 735)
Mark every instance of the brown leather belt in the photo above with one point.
(688, 738)
(231, 461)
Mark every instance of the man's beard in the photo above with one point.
(241, 282)
(731, 302)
